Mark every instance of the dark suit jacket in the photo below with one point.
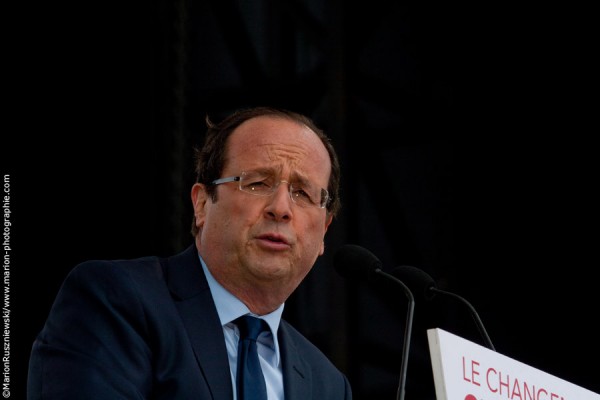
(148, 329)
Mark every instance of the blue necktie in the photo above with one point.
(250, 379)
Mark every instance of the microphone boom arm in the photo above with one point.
(474, 314)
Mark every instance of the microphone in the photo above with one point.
(423, 284)
(357, 263)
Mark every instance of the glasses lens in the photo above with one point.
(257, 183)
(304, 194)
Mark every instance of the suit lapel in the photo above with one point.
(297, 376)
(193, 299)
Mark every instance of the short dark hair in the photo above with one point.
(210, 159)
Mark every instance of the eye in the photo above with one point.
(257, 183)
(301, 194)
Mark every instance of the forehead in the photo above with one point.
(273, 141)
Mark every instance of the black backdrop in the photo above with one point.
(465, 137)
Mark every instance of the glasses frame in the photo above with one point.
(324, 201)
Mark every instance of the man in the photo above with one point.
(154, 328)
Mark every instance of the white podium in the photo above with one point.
(463, 370)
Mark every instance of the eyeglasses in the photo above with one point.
(304, 194)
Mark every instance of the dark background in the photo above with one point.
(465, 135)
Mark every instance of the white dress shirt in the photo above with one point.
(230, 308)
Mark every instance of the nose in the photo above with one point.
(279, 206)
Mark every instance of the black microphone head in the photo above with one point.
(418, 281)
(353, 261)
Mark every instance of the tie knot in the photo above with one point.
(250, 327)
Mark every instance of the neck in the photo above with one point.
(259, 300)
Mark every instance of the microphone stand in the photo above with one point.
(407, 332)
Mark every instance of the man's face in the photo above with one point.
(267, 243)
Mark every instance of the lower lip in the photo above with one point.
(272, 245)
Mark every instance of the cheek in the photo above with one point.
(323, 226)
(227, 218)
(314, 237)
(318, 229)
(215, 220)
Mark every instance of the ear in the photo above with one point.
(328, 221)
(199, 199)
